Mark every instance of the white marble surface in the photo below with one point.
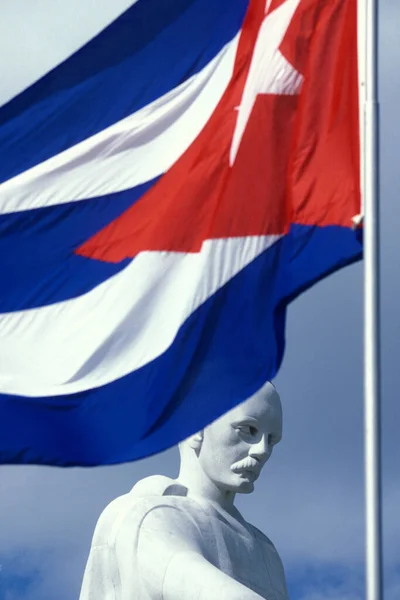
(184, 539)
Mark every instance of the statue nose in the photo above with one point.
(261, 449)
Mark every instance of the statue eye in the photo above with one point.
(248, 429)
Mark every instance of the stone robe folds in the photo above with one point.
(139, 533)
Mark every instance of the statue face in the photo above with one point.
(236, 446)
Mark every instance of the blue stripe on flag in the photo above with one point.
(316, 252)
(37, 264)
(153, 47)
(222, 354)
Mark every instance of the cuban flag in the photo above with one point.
(165, 193)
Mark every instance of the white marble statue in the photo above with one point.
(184, 539)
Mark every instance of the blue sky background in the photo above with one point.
(310, 497)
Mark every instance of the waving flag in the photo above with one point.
(165, 193)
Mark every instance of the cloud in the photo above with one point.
(331, 581)
(41, 575)
(330, 594)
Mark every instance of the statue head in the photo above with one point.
(230, 453)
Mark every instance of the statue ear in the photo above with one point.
(196, 440)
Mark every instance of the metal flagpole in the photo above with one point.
(372, 426)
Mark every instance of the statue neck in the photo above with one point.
(196, 481)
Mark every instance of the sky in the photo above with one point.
(309, 499)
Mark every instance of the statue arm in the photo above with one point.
(170, 559)
(189, 576)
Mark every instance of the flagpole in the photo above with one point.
(372, 401)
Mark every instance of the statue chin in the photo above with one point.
(245, 487)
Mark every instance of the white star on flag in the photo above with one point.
(270, 72)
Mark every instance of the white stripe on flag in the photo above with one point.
(129, 153)
(119, 326)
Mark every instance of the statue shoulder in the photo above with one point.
(154, 500)
(155, 485)
(273, 560)
(260, 535)
(263, 539)
(115, 513)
